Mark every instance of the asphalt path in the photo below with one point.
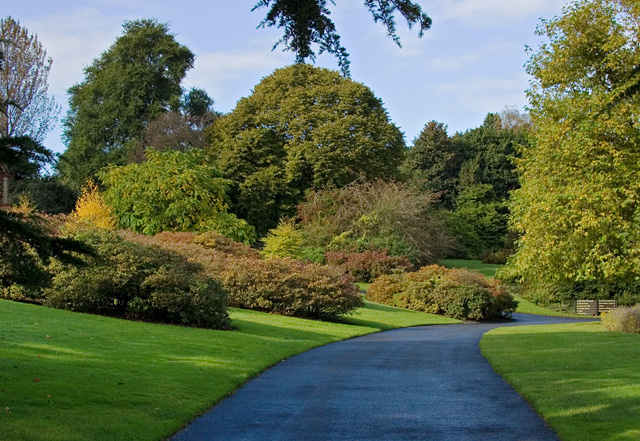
(428, 383)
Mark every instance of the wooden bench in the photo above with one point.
(594, 307)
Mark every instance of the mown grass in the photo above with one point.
(69, 376)
(486, 269)
(584, 381)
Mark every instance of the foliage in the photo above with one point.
(375, 214)
(307, 22)
(172, 190)
(457, 293)
(282, 286)
(179, 130)
(91, 212)
(216, 241)
(26, 249)
(290, 287)
(284, 241)
(369, 264)
(49, 194)
(132, 83)
(127, 279)
(25, 108)
(479, 221)
(302, 128)
(579, 206)
(435, 158)
(20, 157)
(622, 319)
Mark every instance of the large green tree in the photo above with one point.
(307, 22)
(136, 80)
(302, 127)
(579, 206)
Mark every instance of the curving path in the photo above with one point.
(424, 383)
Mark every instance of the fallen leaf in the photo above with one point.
(36, 380)
(6, 409)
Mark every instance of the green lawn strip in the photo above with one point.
(70, 376)
(584, 381)
(487, 269)
(383, 317)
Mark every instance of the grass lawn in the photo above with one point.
(584, 381)
(487, 269)
(69, 376)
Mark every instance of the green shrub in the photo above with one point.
(369, 264)
(284, 241)
(172, 191)
(313, 254)
(131, 280)
(289, 287)
(623, 319)
(457, 293)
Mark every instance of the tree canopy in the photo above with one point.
(302, 127)
(307, 22)
(136, 80)
(579, 206)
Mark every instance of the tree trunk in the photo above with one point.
(5, 190)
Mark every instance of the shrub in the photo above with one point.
(457, 293)
(290, 287)
(497, 257)
(397, 216)
(90, 212)
(135, 281)
(369, 264)
(279, 285)
(284, 241)
(623, 319)
(173, 191)
(216, 241)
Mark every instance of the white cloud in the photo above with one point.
(74, 39)
(220, 73)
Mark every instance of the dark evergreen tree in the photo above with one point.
(307, 22)
(134, 81)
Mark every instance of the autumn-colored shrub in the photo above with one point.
(131, 280)
(282, 286)
(623, 319)
(289, 287)
(90, 212)
(457, 293)
(369, 264)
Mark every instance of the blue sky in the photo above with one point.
(470, 62)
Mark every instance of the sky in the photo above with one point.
(470, 63)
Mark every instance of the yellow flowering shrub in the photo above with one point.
(90, 212)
